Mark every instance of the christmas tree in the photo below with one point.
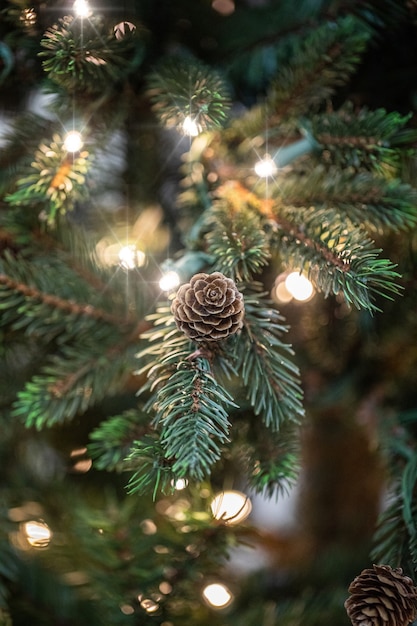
(207, 312)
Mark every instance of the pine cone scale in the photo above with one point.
(382, 596)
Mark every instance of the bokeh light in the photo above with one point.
(73, 141)
(38, 534)
(169, 281)
(217, 595)
(266, 167)
(231, 507)
(299, 286)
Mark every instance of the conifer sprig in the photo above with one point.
(362, 139)
(318, 64)
(59, 180)
(191, 411)
(339, 257)
(263, 360)
(372, 201)
(235, 233)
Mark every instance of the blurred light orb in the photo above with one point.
(217, 595)
(149, 605)
(231, 507)
(282, 294)
(299, 286)
(190, 127)
(169, 281)
(224, 7)
(180, 484)
(73, 141)
(130, 257)
(82, 8)
(266, 167)
(38, 534)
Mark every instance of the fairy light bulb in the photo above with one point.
(179, 484)
(190, 127)
(266, 167)
(130, 257)
(231, 507)
(38, 534)
(217, 595)
(82, 8)
(73, 141)
(299, 286)
(169, 281)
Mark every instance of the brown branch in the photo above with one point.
(68, 306)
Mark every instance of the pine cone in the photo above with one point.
(209, 307)
(382, 596)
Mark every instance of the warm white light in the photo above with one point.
(282, 294)
(190, 127)
(149, 605)
(231, 507)
(38, 534)
(73, 141)
(265, 167)
(217, 595)
(130, 257)
(82, 8)
(169, 281)
(299, 286)
(180, 484)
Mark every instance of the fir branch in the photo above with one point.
(151, 469)
(271, 379)
(318, 64)
(362, 139)
(185, 90)
(83, 57)
(340, 258)
(59, 181)
(190, 409)
(365, 199)
(112, 440)
(235, 235)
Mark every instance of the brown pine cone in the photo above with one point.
(382, 596)
(209, 307)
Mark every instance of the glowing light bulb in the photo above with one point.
(130, 257)
(231, 507)
(180, 484)
(217, 595)
(82, 8)
(38, 534)
(149, 605)
(299, 286)
(169, 281)
(73, 141)
(266, 167)
(190, 127)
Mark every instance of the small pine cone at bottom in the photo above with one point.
(382, 596)
(209, 307)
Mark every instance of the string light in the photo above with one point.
(38, 534)
(190, 127)
(169, 281)
(82, 8)
(180, 484)
(231, 507)
(73, 141)
(217, 595)
(266, 167)
(130, 257)
(299, 286)
(149, 605)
